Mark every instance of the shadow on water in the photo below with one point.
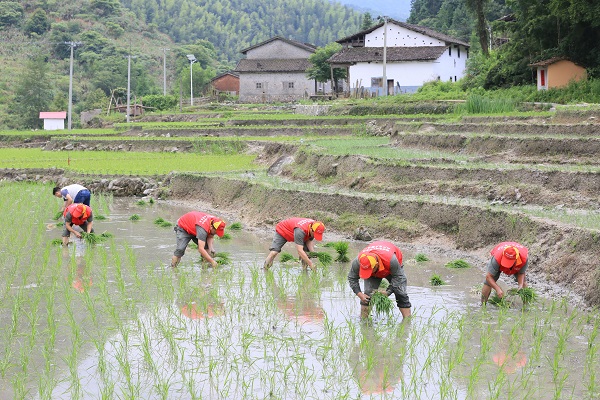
(133, 327)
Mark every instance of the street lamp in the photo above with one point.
(192, 59)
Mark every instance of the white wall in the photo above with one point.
(51, 124)
(452, 65)
(400, 37)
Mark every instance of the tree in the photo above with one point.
(38, 23)
(366, 21)
(477, 7)
(33, 93)
(321, 69)
(10, 13)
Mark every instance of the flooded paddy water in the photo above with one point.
(113, 320)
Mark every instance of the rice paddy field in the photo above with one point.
(114, 321)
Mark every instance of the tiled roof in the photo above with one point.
(232, 73)
(305, 46)
(545, 63)
(366, 54)
(415, 28)
(53, 115)
(273, 65)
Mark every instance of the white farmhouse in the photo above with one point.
(414, 55)
(53, 120)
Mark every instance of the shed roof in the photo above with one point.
(415, 28)
(545, 63)
(53, 115)
(273, 65)
(366, 54)
(305, 46)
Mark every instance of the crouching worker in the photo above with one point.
(301, 231)
(77, 214)
(507, 257)
(201, 228)
(379, 260)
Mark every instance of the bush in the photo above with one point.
(159, 102)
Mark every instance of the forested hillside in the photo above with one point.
(232, 25)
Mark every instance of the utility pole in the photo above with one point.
(385, 88)
(165, 71)
(72, 45)
(129, 57)
(192, 59)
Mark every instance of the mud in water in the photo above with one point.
(238, 332)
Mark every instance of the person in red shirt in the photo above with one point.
(379, 260)
(77, 214)
(201, 229)
(301, 231)
(510, 258)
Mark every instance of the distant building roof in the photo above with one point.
(305, 46)
(232, 73)
(415, 28)
(366, 54)
(53, 115)
(273, 65)
(545, 63)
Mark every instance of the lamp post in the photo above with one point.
(385, 88)
(72, 45)
(192, 59)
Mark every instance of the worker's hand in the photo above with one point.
(214, 264)
(384, 291)
(312, 266)
(500, 293)
(78, 235)
(363, 297)
(212, 252)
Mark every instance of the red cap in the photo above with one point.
(318, 228)
(219, 226)
(509, 256)
(80, 211)
(367, 261)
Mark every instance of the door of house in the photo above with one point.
(390, 87)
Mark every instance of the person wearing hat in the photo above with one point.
(77, 214)
(301, 231)
(73, 194)
(201, 229)
(510, 258)
(379, 260)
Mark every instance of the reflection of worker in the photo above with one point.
(301, 231)
(508, 362)
(73, 194)
(376, 360)
(304, 306)
(81, 281)
(377, 261)
(80, 215)
(200, 228)
(507, 257)
(202, 310)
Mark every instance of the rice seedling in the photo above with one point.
(99, 217)
(56, 242)
(141, 202)
(162, 223)
(381, 303)
(226, 236)
(222, 258)
(458, 264)
(342, 251)
(236, 226)
(135, 217)
(285, 257)
(58, 215)
(420, 257)
(436, 280)
(323, 257)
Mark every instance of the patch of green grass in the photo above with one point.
(162, 223)
(458, 264)
(436, 280)
(420, 257)
(135, 217)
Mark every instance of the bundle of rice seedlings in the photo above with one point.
(225, 236)
(526, 294)
(381, 303)
(236, 226)
(99, 217)
(58, 215)
(161, 222)
(285, 257)
(420, 257)
(458, 264)
(497, 301)
(342, 251)
(57, 242)
(91, 238)
(436, 280)
(135, 217)
(222, 258)
(106, 235)
(324, 258)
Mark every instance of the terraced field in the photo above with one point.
(461, 183)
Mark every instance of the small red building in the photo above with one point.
(228, 82)
(557, 72)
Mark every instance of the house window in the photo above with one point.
(450, 51)
(458, 51)
(259, 85)
(377, 82)
(450, 79)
